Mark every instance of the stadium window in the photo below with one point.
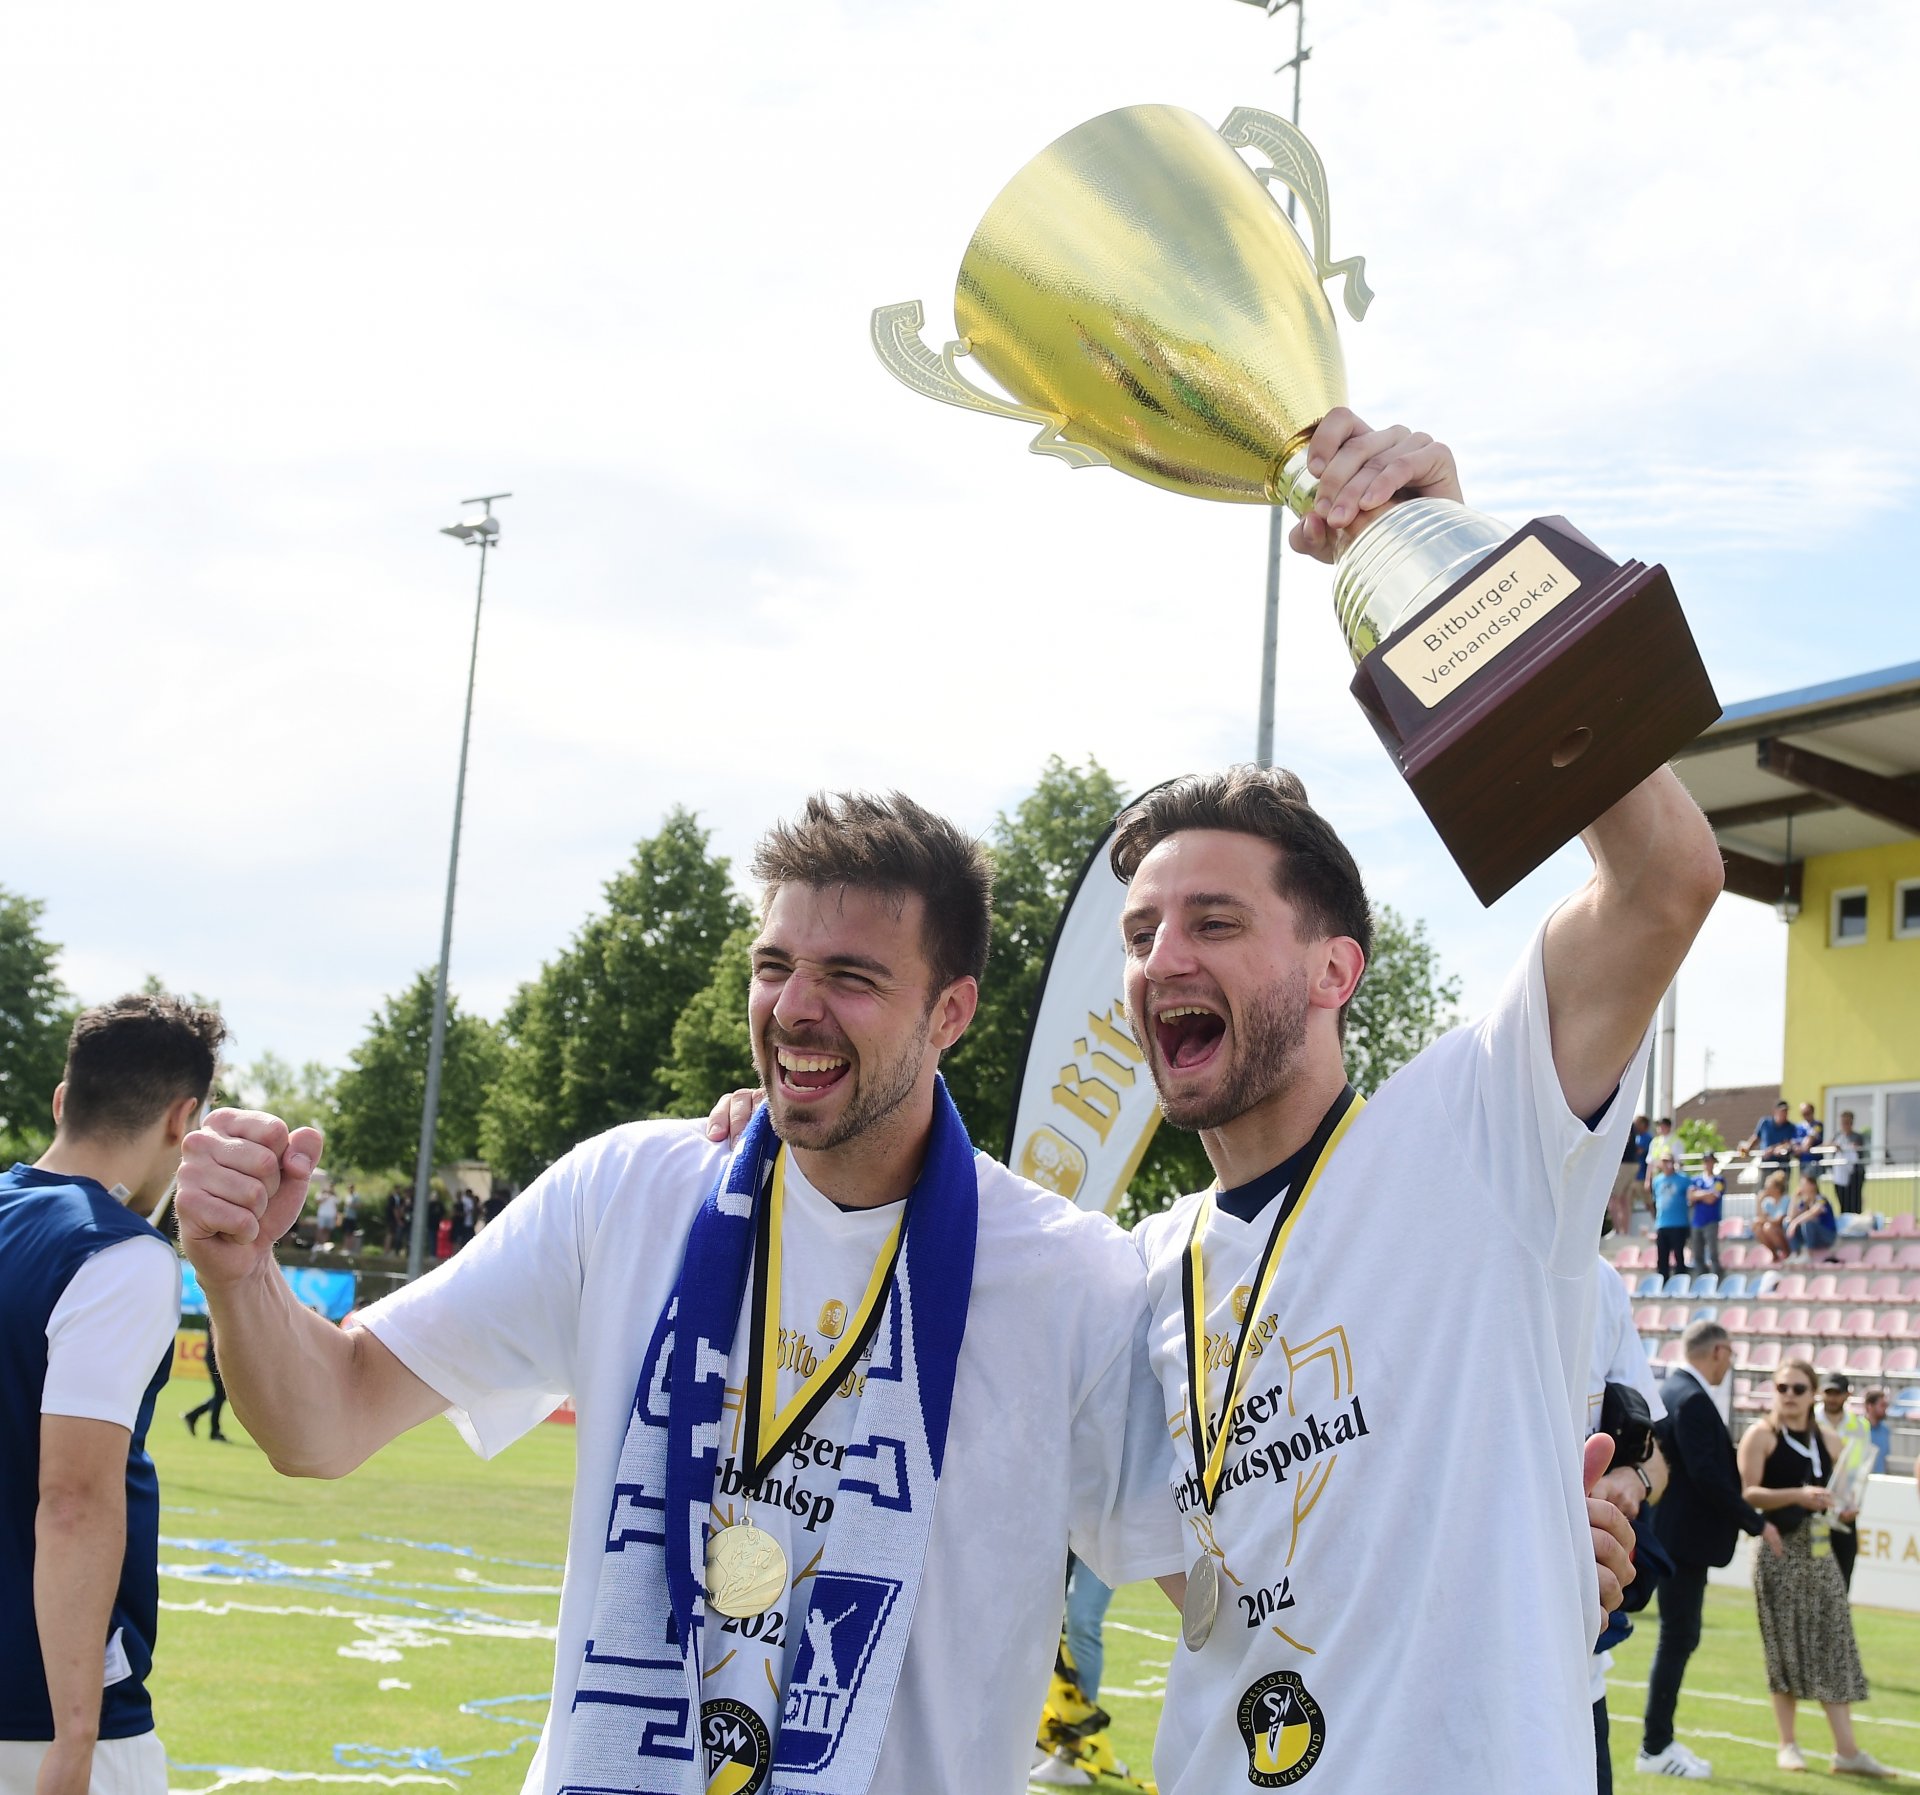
(1847, 926)
(1906, 908)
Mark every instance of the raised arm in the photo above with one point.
(318, 1399)
(1614, 946)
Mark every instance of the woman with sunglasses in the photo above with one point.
(1806, 1627)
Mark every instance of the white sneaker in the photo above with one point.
(1057, 1773)
(1862, 1763)
(1788, 1758)
(1676, 1760)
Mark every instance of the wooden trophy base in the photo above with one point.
(1534, 695)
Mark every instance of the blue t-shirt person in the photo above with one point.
(1670, 1199)
(1707, 1191)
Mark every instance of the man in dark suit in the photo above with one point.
(1697, 1522)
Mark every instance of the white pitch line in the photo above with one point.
(1120, 1626)
(1754, 1701)
(228, 1779)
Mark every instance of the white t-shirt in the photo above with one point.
(1408, 1596)
(110, 1328)
(1619, 1357)
(561, 1294)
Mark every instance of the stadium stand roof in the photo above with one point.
(1822, 770)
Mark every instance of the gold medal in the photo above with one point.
(746, 1571)
(1202, 1602)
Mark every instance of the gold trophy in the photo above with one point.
(1141, 297)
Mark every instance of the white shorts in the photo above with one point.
(136, 1766)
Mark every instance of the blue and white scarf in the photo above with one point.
(635, 1725)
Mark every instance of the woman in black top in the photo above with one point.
(1806, 1627)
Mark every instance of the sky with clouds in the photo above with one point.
(285, 287)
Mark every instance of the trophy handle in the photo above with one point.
(1297, 165)
(896, 339)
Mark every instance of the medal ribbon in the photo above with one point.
(765, 1420)
(1210, 1433)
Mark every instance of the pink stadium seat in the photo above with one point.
(1646, 1318)
(1792, 1288)
(1795, 1321)
(1764, 1357)
(1668, 1356)
(1853, 1288)
(1823, 1287)
(1904, 1226)
(1673, 1318)
(1768, 1320)
(1732, 1228)
(1894, 1324)
(1749, 1400)
(1910, 1290)
(1743, 1354)
(1884, 1290)
(1825, 1324)
(1901, 1361)
(1879, 1256)
(1848, 1252)
(1864, 1361)
(1907, 1258)
(1734, 1318)
(1830, 1358)
(1802, 1349)
(1857, 1324)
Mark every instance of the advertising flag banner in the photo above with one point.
(1084, 1104)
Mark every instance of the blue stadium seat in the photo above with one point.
(1706, 1283)
(1707, 1312)
(1648, 1285)
(1680, 1284)
(1905, 1405)
(1733, 1286)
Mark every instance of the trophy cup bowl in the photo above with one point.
(1141, 298)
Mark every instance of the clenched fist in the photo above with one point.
(243, 1182)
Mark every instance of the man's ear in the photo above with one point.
(181, 1117)
(1339, 975)
(953, 1012)
(59, 1102)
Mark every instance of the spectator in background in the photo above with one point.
(1670, 1225)
(1707, 1191)
(1770, 1216)
(1806, 1626)
(1810, 1141)
(326, 1217)
(1665, 1143)
(215, 1405)
(1701, 1516)
(1631, 1179)
(89, 1300)
(1774, 1137)
(350, 1214)
(1849, 1164)
(1879, 1434)
(1852, 1431)
(1811, 1226)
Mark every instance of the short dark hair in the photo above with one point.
(130, 1061)
(891, 844)
(1313, 871)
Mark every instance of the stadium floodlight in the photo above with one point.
(485, 530)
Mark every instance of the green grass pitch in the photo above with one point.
(395, 1629)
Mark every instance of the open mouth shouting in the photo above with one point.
(807, 1074)
(1188, 1036)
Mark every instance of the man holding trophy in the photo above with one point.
(1376, 1452)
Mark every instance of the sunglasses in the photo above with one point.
(1794, 1389)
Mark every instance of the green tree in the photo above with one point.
(1038, 852)
(301, 1099)
(590, 1039)
(1699, 1135)
(36, 1015)
(712, 1045)
(379, 1099)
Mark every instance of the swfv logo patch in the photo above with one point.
(1282, 1728)
(738, 1746)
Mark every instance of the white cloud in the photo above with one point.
(286, 290)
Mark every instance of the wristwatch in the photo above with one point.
(1646, 1482)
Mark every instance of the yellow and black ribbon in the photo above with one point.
(1209, 1433)
(766, 1421)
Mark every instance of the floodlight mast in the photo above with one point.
(484, 530)
(1277, 517)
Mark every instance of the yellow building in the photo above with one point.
(1815, 798)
